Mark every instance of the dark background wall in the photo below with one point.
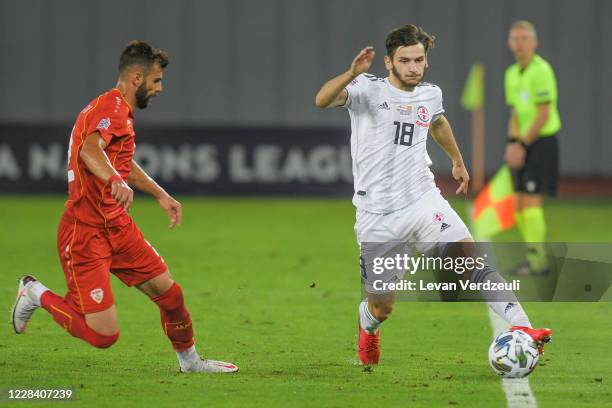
(260, 63)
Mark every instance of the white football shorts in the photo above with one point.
(426, 226)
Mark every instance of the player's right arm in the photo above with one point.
(513, 129)
(514, 154)
(93, 155)
(143, 182)
(333, 92)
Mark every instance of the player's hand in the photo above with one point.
(362, 61)
(460, 174)
(173, 209)
(515, 155)
(122, 193)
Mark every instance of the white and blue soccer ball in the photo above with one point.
(513, 354)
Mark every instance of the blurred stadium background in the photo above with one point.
(237, 113)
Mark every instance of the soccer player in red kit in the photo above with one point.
(96, 236)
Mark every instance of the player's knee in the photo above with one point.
(171, 299)
(381, 311)
(103, 328)
(158, 285)
(102, 341)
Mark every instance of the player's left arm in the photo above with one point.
(442, 133)
(139, 179)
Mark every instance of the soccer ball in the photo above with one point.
(513, 354)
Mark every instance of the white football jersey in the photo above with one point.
(389, 130)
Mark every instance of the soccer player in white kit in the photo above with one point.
(395, 193)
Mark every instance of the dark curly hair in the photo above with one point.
(408, 35)
(141, 53)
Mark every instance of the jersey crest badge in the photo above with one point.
(423, 116)
(97, 295)
(438, 217)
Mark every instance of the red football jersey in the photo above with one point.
(89, 198)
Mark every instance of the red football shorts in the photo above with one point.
(88, 255)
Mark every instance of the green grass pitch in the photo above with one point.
(273, 285)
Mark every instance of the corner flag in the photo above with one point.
(472, 97)
(493, 208)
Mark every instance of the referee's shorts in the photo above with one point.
(540, 173)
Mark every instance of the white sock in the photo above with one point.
(504, 303)
(511, 312)
(366, 320)
(36, 289)
(186, 358)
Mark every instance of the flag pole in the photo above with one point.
(478, 149)
(472, 99)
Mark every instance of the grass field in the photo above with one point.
(273, 286)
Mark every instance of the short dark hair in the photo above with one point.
(408, 35)
(143, 54)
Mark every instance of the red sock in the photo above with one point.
(175, 318)
(74, 322)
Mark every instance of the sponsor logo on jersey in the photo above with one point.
(423, 116)
(444, 226)
(438, 217)
(104, 124)
(404, 109)
(97, 295)
(384, 106)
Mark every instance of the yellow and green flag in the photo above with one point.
(493, 207)
(472, 97)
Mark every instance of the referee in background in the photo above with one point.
(532, 150)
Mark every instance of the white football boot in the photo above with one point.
(24, 306)
(209, 366)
